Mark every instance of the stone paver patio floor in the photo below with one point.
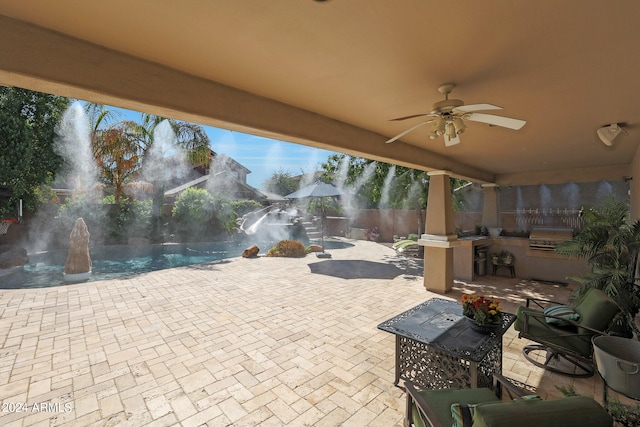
(241, 342)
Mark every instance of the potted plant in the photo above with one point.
(484, 313)
(610, 244)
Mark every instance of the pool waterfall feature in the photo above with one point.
(273, 224)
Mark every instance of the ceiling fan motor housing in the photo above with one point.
(446, 106)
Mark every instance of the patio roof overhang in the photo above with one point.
(332, 74)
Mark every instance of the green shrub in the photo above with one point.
(193, 210)
(201, 215)
(108, 222)
(128, 219)
(224, 213)
(93, 214)
(626, 415)
(242, 207)
(288, 248)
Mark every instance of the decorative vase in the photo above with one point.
(483, 328)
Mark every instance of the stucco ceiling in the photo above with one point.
(566, 67)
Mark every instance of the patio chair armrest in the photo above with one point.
(501, 385)
(421, 406)
(539, 301)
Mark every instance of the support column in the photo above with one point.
(491, 206)
(635, 186)
(440, 237)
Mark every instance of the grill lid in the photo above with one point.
(548, 238)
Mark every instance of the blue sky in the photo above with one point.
(262, 156)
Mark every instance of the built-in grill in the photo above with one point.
(547, 238)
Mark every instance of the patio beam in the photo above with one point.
(562, 176)
(40, 59)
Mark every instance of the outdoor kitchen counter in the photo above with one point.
(529, 263)
(466, 256)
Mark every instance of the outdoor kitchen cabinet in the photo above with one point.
(545, 265)
(467, 257)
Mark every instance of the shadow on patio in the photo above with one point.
(356, 269)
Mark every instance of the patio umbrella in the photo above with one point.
(319, 189)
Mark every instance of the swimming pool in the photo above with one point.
(114, 262)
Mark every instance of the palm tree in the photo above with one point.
(99, 116)
(118, 151)
(190, 136)
(610, 243)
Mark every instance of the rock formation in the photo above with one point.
(78, 258)
(251, 252)
(11, 256)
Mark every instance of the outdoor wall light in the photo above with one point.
(609, 133)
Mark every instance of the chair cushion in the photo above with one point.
(441, 400)
(564, 412)
(596, 310)
(563, 311)
(544, 333)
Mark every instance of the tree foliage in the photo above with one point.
(100, 116)
(377, 184)
(190, 137)
(383, 185)
(245, 206)
(118, 151)
(120, 147)
(27, 130)
(199, 213)
(282, 183)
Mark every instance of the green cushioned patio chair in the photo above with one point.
(432, 408)
(503, 407)
(565, 332)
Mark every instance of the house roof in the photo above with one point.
(193, 183)
(230, 161)
(332, 74)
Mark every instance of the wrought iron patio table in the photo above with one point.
(436, 348)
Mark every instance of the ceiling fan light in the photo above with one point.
(434, 131)
(459, 125)
(440, 126)
(451, 130)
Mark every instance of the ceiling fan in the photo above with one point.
(449, 116)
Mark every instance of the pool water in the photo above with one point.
(115, 262)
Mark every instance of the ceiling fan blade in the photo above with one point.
(475, 107)
(409, 117)
(448, 142)
(490, 119)
(411, 129)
